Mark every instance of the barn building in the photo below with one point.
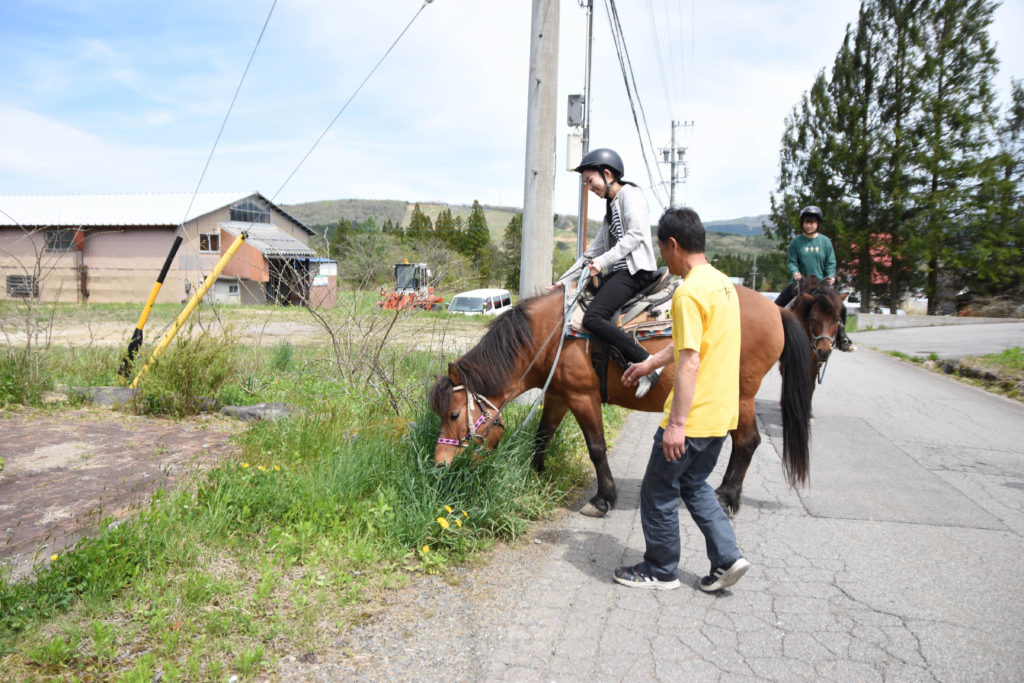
(110, 248)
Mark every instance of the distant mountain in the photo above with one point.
(330, 211)
(748, 225)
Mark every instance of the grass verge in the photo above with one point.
(275, 552)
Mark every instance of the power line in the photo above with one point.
(228, 113)
(630, 82)
(351, 97)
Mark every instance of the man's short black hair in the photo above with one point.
(685, 226)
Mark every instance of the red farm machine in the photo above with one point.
(411, 290)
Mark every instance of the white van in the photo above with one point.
(481, 302)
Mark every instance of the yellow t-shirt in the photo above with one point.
(706, 319)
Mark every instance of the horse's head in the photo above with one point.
(467, 417)
(821, 307)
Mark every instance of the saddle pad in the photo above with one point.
(654, 323)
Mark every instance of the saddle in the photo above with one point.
(644, 316)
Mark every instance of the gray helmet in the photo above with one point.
(602, 158)
(811, 211)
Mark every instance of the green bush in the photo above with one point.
(189, 374)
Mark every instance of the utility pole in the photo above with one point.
(581, 219)
(675, 157)
(542, 107)
(753, 275)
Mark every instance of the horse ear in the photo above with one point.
(808, 297)
(454, 375)
(843, 297)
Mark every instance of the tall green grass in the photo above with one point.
(318, 512)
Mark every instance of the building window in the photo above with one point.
(209, 242)
(22, 286)
(59, 239)
(250, 211)
(232, 290)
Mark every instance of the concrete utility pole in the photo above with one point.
(542, 107)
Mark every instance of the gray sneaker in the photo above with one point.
(725, 576)
(647, 382)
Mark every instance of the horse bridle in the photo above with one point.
(472, 435)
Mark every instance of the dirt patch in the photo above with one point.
(65, 472)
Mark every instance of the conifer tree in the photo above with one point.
(419, 225)
(477, 235)
(957, 118)
(511, 246)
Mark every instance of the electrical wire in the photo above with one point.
(630, 82)
(349, 101)
(228, 113)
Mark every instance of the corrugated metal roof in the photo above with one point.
(115, 209)
(269, 240)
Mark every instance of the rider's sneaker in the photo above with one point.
(847, 345)
(638, 576)
(723, 577)
(646, 383)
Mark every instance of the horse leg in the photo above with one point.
(587, 411)
(551, 416)
(745, 440)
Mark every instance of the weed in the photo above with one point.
(193, 368)
(282, 355)
(54, 654)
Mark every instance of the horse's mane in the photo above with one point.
(487, 367)
(823, 296)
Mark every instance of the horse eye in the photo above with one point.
(453, 416)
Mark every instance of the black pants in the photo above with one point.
(617, 289)
(787, 294)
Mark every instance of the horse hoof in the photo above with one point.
(591, 510)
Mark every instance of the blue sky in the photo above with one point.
(128, 96)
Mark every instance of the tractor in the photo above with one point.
(411, 291)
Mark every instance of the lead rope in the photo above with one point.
(567, 309)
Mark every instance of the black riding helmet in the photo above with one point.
(602, 158)
(810, 211)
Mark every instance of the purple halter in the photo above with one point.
(471, 433)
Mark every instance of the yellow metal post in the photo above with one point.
(187, 311)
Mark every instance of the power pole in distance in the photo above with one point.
(675, 157)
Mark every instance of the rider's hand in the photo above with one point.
(594, 268)
(555, 285)
(830, 280)
(798, 277)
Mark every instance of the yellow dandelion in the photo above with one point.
(53, 558)
(277, 468)
(459, 522)
(245, 465)
(443, 522)
(261, 468)
(465, 514)
(425, 549)
(447, 508)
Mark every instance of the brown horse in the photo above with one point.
(819, 308)
(519, 349)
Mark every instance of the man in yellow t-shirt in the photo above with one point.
(701, 410)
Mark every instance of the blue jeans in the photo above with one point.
(663, 485)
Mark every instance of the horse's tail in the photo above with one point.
(795, 365)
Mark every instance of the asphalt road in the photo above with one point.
(947, 342)
(901, 561)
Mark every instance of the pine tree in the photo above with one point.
(511, 246)
(477, 235)
(419, 225)
(340, 236)
(958, 117)
(444, 227)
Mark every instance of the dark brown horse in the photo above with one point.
(519, 349)
(819, 308)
